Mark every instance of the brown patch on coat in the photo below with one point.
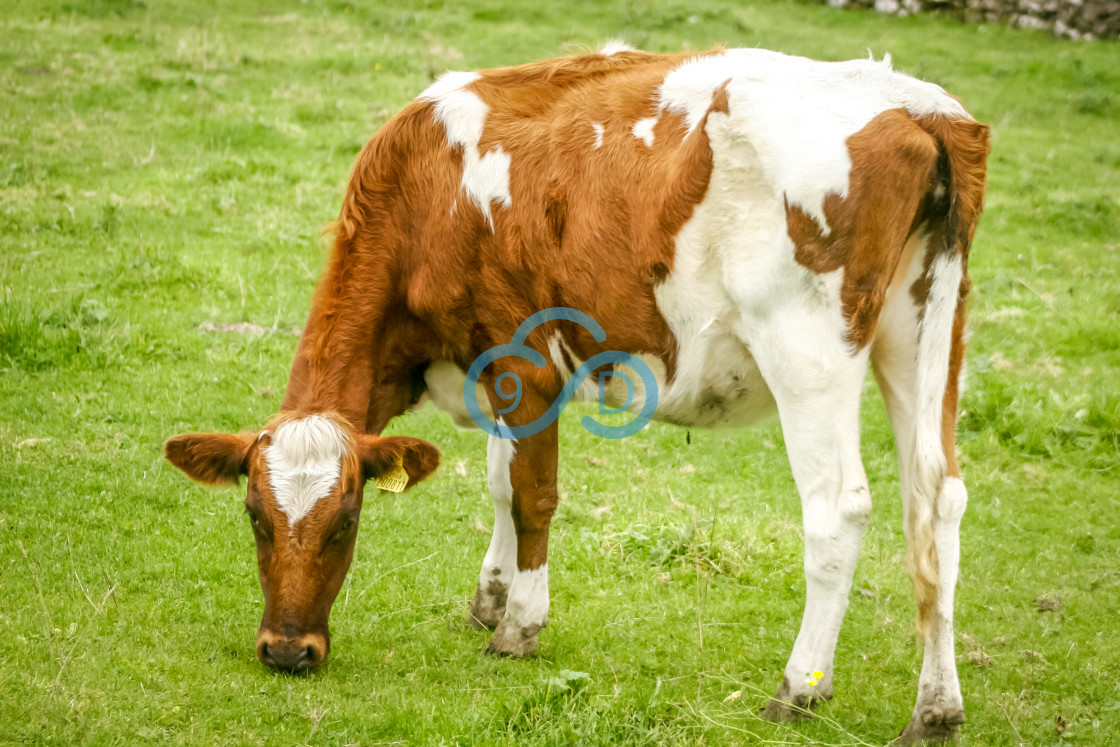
(905, 171)
(721, 104)
(892, 163)
(581, 214)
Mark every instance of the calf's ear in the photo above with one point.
(381, 456)
(212, 458)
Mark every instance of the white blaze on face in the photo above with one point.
(304, 461)
(463, 116)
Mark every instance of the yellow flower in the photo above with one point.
(817, 674)
(812, 683)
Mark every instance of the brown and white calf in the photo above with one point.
(757, 228)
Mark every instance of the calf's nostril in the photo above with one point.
(303, 660)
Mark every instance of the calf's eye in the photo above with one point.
(343, 530)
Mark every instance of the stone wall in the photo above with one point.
(1072, 19)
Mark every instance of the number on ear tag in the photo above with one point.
(394, 481)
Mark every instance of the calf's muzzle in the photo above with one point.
(291, 654)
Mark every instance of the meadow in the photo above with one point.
(166, 170)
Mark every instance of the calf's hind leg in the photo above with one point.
(939, 710)
(816, 383)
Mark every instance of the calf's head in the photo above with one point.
(306, 475)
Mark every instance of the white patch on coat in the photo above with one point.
(463, 116)
(598, 128)
(444, 381)
(733, 267)
(500, 563)
(796, 114)
(643, 130)
(304, 461)
(527, 602)
(614, 46)
(561, 354)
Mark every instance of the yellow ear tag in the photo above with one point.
(394, 481)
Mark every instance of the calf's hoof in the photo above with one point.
(933, 725)
(789, 706)
(489, 606)
(510, 639)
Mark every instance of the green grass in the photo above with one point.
(164, 165)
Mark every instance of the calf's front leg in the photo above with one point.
(532, 479)
(500, 564)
